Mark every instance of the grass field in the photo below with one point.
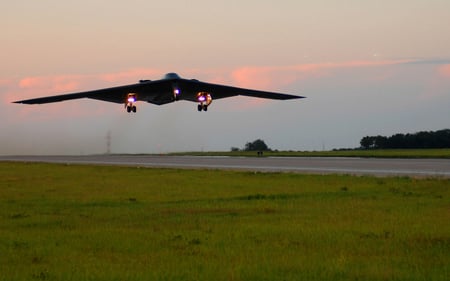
(375, 153)
(70, 222)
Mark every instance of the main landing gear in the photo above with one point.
(129, 105)
(203, 107)
(204, 100)
(131, 108)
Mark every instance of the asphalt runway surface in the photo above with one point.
(313, 165)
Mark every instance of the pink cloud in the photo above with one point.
(437, 86)
(444, 70)
(131, 75)
(261, 77)
(6, 89)
(31, 82)
(38, 86)
(52, 84)
(272, 77)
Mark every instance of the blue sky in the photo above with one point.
(366, 67)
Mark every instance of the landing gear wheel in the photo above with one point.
(128, 108)
(134, 109)
(199, 107)
(205, 107)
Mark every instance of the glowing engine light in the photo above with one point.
(204, 97)
(176, 91)
(131, 99)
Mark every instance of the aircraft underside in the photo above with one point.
(204, 99)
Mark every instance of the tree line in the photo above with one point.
(425, 139)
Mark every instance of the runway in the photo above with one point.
(316, 165)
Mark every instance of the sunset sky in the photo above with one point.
(366, 68)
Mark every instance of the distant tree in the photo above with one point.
(373, 142)
(437, 139)
(443, 137)
(234, 149)
(367, 142)
(380, 142)
(397, 141)
(257, 145)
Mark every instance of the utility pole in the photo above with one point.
(108, 142)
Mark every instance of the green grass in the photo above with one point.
(70, 222)
(376, 153)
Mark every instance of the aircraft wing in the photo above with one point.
(157, 92)
(192, 87)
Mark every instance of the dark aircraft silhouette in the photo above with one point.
(169, 89)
